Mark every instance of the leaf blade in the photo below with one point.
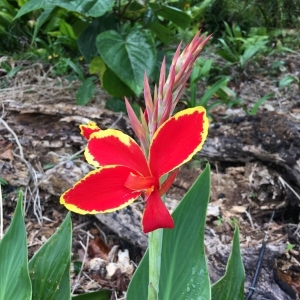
(14, 279)
(231, 285)
(128, 56)
(89, 8)
(48, 265)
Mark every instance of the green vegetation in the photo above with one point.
(112, 43)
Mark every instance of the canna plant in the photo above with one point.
(47, 274)
(174, 266)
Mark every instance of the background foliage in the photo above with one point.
(112, 43)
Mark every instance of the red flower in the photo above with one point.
(124, 173)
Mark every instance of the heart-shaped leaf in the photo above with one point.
(89, 8)
(129, 56)
(87, 41)
(86, 91)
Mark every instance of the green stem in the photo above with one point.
(155, 245)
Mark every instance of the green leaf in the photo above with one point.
(286, 81)
(99, 295)
(6, 18)
(184, 273)
(212, 90)
(89, 8)
(66, 30)
(85, 91)
(14, 71)
(48, 266)
(250, 52)
(97, 66)
(87, 41)
(64, 289)
(162, 32)
(227, 53)
(231, 285)
(14, 278)
(128, 56)
(75, 68)
(43, 17)
(173, 14)
(259, 103)
(116, 104)
(114, 85)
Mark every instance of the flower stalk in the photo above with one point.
(155, 247)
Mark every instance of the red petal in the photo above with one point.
(87, 130)
(100, 191)
(168, 183)
(139, 183)
(177, 140)
(156, 215)
(113, 147)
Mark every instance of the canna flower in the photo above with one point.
(124, 172)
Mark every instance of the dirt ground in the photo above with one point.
(41, 153)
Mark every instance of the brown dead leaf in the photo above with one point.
(98, 248)
(284, 280)
(6, 152)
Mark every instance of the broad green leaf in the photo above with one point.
(116, 104)
(231, 285)
(14, 278)
(99, 295)
(184, 273)
(138, 285)
(48, 266)
(173, 14)
(89, 8)
(114, 85)
(87, 41)
(128, 56)
(86, 91)
(64, 289)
